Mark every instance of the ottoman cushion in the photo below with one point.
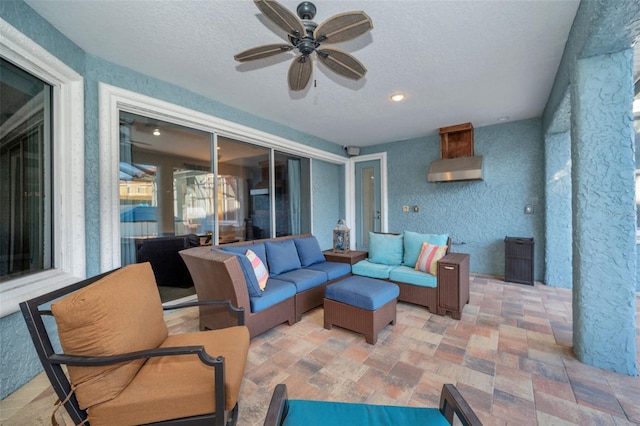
(362, 292)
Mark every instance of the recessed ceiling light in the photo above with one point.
(156, 132)
(505, 118)
(397, 97)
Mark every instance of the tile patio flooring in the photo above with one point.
(510, 356)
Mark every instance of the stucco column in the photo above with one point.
(558, 269)
(603, 202)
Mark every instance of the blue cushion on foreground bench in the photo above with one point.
(322, 413)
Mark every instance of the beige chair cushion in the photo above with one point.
(119, 313)
(179, 386)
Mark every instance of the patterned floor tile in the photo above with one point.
(510, 356)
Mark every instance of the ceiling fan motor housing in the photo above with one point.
(306, 10)
(307, 44)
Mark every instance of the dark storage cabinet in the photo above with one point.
(453, 284)
(518, 260)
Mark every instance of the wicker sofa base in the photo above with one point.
(417, 295)
(363, 321)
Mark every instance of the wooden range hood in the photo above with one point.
(457, 160)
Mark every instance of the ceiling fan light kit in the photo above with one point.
(306, 36)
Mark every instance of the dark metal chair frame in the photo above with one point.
(52, 362)
(451, 402)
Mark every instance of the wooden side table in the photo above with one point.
(453, 284)
(351, 257)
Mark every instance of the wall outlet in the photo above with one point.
(405, 208)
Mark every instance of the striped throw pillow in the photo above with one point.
(428, 258)
(262, 275)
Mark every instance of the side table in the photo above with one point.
(351, 257)
(453, 284)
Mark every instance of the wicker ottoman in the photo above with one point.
(360, 304)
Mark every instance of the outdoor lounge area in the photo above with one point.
(509, 355)
(361, 201)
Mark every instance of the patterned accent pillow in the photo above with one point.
(258, 268)
(428, 258)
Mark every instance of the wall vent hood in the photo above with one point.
(456, 150)
(454, 169)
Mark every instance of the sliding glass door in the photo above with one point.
(176, 180)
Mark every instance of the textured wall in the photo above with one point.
(327, 204)
(558, 210)
(478, 213)
(604, 258)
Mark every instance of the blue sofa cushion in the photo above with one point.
(303, 279)
(309, 251)
(332, 269)
(275, 292)
(413, 244)
(385, 249)
(408, 275)
(282, 256)
(362, 292)
(247, 270)
(373, 270)
(257, 248)
(320, 413)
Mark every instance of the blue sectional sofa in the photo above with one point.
(297, 276)
(393, 257)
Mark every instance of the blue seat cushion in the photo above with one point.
(282, 256)
(322, 413)
(303, 279)
(247, 270)
(275, 292)
(309, 251)
(413, 244)
(405, 274)
(362, 292)
(332, 269)
(371, 270)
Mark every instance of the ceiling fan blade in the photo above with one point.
(282, 17)
(300, 73)
(260, 52)
(341, 63)
(343, 27)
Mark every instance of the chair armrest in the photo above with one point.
(451, 401)
(88, 361)
(239, 312)
(278, 406)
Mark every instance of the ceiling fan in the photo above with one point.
(307, 36)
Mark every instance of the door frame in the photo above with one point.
(350, 196)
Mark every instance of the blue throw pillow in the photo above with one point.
(282, 256)
(309, 251)
(385, 249)
(413, 244)
(247, 270)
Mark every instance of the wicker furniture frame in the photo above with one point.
(363, 321)
(36, 309)
(218, 276)
(452, 406)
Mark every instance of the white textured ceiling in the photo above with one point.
(457, 61)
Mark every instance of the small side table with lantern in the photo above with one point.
(341, 251)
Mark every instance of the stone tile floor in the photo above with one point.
(510, 356)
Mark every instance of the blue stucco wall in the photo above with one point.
(604, 258)
(328, 204)
(479, 213)
(558, 232)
